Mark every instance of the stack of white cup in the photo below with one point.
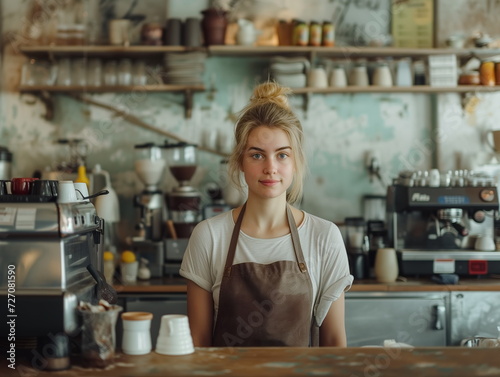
(174, 337)
(66, 192)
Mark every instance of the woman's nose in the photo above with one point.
(270, 167)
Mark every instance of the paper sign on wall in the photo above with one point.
(413, 23)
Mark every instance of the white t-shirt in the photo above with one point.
(322, 246)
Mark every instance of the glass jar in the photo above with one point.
(355, 233)
(487, 73)
(300, 34)
(76, 35)
(328, 31)
(469, 78)
(314, 34)
(497, 73)
(63, 35)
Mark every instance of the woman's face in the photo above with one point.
(268, 162)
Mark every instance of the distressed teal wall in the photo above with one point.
(340, 129)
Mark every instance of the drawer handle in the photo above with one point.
(439, 316)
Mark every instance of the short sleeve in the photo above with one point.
(196, 262)
(335, 276)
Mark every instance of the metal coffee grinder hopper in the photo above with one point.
(149, 244)
(183, 202)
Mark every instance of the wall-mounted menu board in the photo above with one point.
(413, 23)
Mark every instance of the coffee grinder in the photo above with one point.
(184, 200)
(150, 167)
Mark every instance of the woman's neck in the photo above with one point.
(265, 218)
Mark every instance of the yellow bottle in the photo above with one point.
(109, 266)
(82, 176)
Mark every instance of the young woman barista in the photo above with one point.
(266, 273)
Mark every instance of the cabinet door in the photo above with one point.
(415, 320)
(474, 314)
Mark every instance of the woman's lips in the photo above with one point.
(269, 182)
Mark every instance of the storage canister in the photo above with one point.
(487, 73)
(328, 38)
(136, 333)
(300, 34)
(315, 34)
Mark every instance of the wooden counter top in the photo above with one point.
(178, 285)
(154, 285)
(349, 362)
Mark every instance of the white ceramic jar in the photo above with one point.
(136, 333)
(386, 265)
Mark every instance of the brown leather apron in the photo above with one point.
(265, 304)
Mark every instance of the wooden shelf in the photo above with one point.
(104, 89)
(104, 51)
(237, 50)
(45, 93)
(345, 52)
(399, 89)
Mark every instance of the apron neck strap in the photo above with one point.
(299, 255)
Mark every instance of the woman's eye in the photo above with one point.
(257, 156)
(282, 156)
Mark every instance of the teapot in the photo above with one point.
(247, 33)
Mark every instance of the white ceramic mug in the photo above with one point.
(81, 191)
(493, 141)
(484, 243)
(338, 78)
(317, 78)
(404, 73)
(119, 30)
(174, 337)
(66, 192)
(386, 265)
(382, 76)
(358, 76)
(136, 338)
(129, 272)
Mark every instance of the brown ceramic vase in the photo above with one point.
(214, 25)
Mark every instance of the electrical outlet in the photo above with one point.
(372, 161)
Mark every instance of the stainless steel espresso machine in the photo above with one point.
(45, 248)
(444, 225)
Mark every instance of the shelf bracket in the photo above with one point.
(307, 100)
(188, 104)
(48, 101)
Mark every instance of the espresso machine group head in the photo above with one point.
(433, 227)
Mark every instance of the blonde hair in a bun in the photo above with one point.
(270, 92)
(269, 107)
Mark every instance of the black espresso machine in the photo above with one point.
(445, 226)
(45, 248)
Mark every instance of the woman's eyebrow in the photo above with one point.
(262, 150)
